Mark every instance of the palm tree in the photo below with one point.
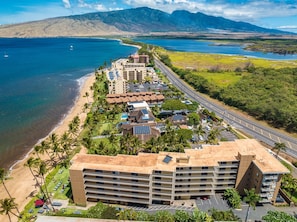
(33, 163)
(3, 175)
(213, 135)
(251, 199)
(87, 96)
(55, 146)
(65, 143)
(7, 205)
(44, 147)
(42, 170)
(279, 147)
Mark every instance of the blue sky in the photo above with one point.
(281, 14)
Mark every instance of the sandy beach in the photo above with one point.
(21, 183)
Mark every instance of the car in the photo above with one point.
(57, 204)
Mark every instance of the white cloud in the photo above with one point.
(66, 3)
(249, 11)
(97, 7)
(287, 27)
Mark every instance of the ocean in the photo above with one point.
(39, 81)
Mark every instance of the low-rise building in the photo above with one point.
(162, 178)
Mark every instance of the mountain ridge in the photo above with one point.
(132, 21)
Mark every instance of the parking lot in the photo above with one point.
(146, 87)
(215, 201)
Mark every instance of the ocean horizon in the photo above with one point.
(40, 79)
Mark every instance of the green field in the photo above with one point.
(221, 79)
(222, 70)
(200, 61)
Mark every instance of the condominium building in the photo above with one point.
(162, 178)
(134, 72)
(116, 84)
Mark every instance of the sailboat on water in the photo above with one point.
(5, 55)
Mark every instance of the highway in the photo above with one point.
(262, 133)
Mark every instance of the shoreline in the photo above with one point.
(81, 81)
(21, 184)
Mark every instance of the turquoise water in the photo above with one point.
(190, 45)
(39, 80)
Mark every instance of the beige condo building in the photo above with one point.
(116, 83)
(162, 178)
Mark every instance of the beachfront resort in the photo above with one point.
(146, 144)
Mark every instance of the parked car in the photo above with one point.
(57, 204)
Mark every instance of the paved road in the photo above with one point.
(266, 134)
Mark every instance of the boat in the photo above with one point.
(71, 47)
(5, 55)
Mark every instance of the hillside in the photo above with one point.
(130, 21)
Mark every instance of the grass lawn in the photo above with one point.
(56, 176)
(59, 186)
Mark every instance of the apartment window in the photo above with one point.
(158, 184)
(158, 178)
(223, 163)
(134, 180)
(204, 174)
(157, 172)
(115, 172)
(204, 168)
(134, 174)
(98, 171)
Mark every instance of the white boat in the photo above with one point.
(71, 47)
(5, 55)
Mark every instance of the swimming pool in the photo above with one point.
(124, 116)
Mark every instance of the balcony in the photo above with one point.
(105, 174)
(118, 193)
(194, 176)
(111, 181)
(120, 187)
(162, 180)
(195, 193)
(168, 198)
(195, 171)
(186, 182)
(119, 199)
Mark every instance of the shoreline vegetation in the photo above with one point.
(20, 182)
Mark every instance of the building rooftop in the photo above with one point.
(210, 155)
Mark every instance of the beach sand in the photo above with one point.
(21, 183)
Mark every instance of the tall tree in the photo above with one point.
(3, 177)
(251, 198)
(42, 170)
(7, 206)
(278, 147)
(33, 163)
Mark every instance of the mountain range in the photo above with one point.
(130, 22)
